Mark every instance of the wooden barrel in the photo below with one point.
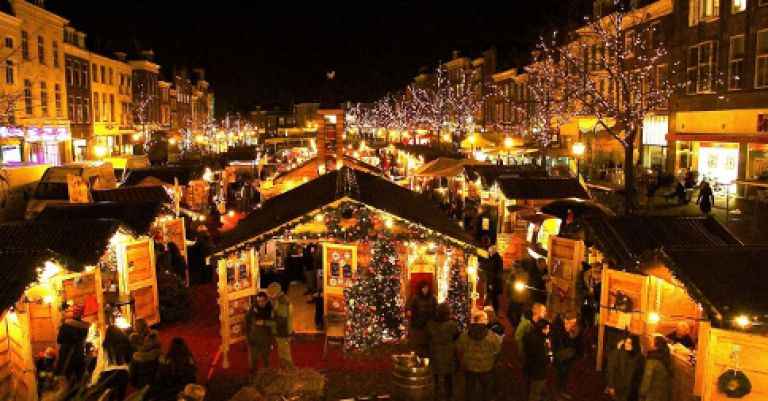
(412, 383)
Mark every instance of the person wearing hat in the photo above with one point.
(71, 340)
(281, 323)
(192, 392)
(443, 333)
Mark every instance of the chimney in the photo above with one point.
(456, 54)
(149, 55)
(121, 56)
(39, 3)
(199, 74)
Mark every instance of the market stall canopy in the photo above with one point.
(137, 218)
(18, 269)
(626, 239)
(488, 174)
(446, 167)
(481, 141)
(160, 175)
(309, 167)
(535, 217)
(580, 208)
(347, 183)
(520, 209)
(80, 243)
(131, 195)
(528, 187)
(703, 272)
(429, 152)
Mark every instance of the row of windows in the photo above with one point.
(708, 10)
(702, 72)
(44, 99)
(25, 53)
(76, 73)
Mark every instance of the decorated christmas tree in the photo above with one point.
(458, 297)
(386, 280)
(363, 330)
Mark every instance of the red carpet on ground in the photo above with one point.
(202, 334)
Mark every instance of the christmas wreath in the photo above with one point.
(734, 384)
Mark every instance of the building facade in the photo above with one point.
(39, 68)
(719, 122)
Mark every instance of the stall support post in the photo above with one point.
(221, 268)
(602, 319)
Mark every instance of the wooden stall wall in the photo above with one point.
(23, 383)
(618, 286)
(136, 264)
(726, 349)
(564, 265)
(339, 266)
(238, 282)
(6, 373)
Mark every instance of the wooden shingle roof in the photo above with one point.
(370, 190)
(541, 187)
(136, 217)
(626, 239)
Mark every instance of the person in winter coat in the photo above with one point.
(145, 361)
(527, 324)
(493, 283)
(657, 380)
(139, 335)
(178, 265)
(204, 248)
(113, 364)
(443, 332)
(71, 340)
(538, 356)
(624, 370)
(706, 198)
(478, 347)
(281, 323)
(177, 369)
(257, 331)
(566, 346)
(494, 324)
(420, 309)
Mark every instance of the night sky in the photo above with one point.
(262, 52)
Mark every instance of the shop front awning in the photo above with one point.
(732, 138)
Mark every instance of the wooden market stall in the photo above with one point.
(39, 288)
(349, 213)
(728, 287)
(639, 294)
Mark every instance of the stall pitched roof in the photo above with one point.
(541, 187)
(132, 195)
(626, 239)
(727, 281)
(79, 242)
(348, 161)
(183, 174)
(351, 184)
(136, 217)
(18, 269)
(488, 174)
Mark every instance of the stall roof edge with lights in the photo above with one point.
(137, 218)
(299, 204)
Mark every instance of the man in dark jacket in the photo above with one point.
(493, 284)
(566, 345)
(478, 347)
(309, 268)
(71, 338)
(538, 356)
(257, 331)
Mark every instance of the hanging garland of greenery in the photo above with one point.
(369, 226)
(734, 384)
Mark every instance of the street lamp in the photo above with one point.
(508, 142)
(578, 149)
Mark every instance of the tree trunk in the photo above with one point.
(629, 177)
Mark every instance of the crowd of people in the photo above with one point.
(547, 344)
(107, 365)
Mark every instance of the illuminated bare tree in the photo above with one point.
(620, 69)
